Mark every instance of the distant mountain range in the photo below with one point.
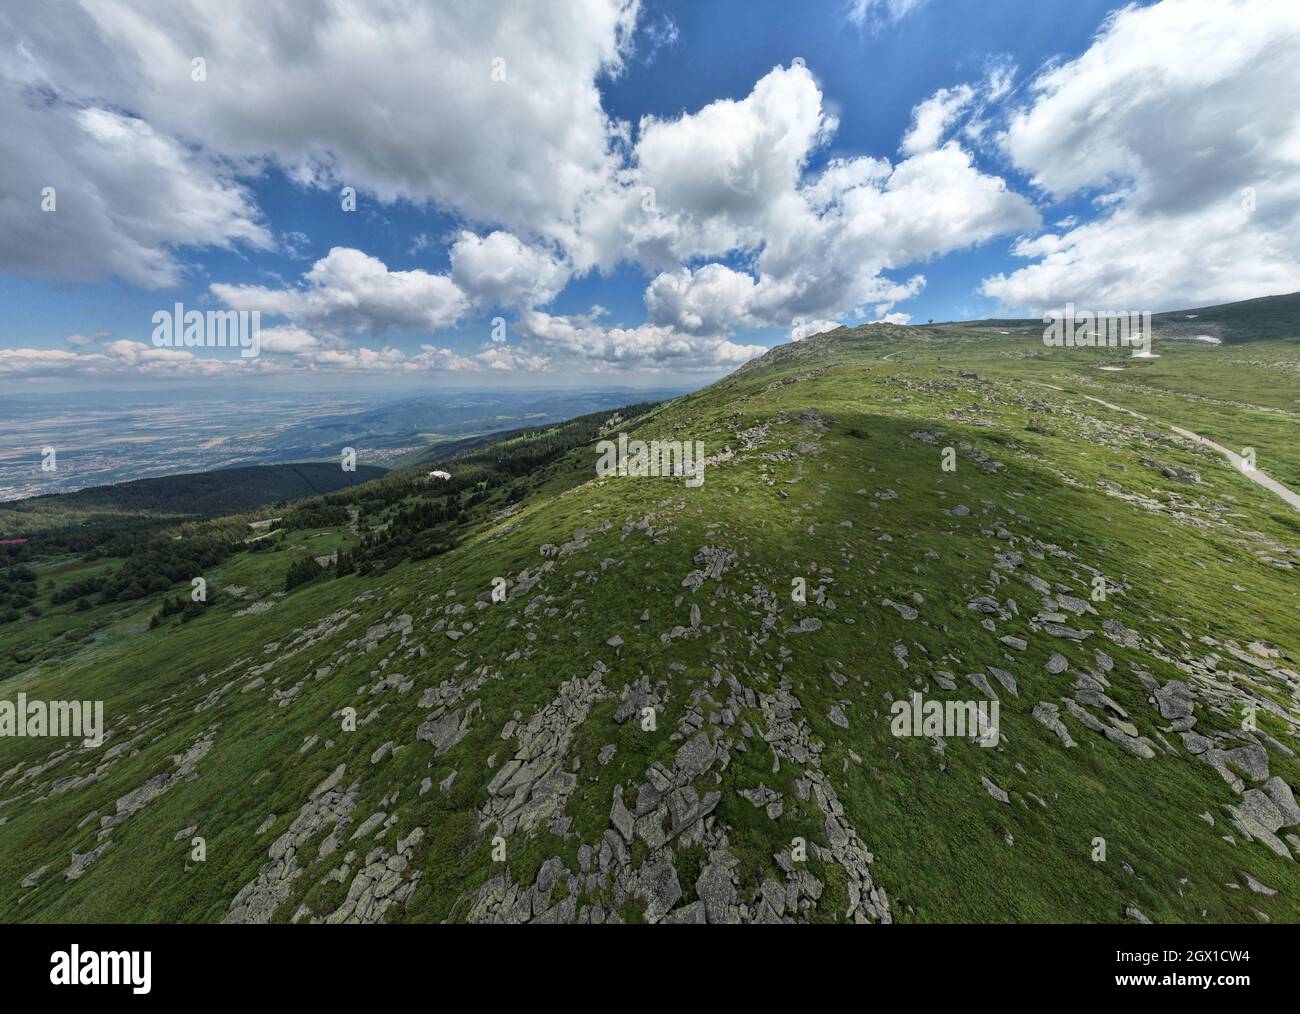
(1265, 318)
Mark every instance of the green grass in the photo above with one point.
(939, 840)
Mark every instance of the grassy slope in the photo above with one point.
(944, 849)
(226, 490)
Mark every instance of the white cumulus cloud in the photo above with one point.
(1174, 121)
(350, 290)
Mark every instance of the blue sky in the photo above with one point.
(806, 164)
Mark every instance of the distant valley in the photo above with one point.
(100, 439)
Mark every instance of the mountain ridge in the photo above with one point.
(1245, 320)
(769, 785)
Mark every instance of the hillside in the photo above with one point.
(654, 724)
(453, 416)
(540, 441)
(1264, 319)
(192, 494)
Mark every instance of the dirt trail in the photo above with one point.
(1239, 463)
